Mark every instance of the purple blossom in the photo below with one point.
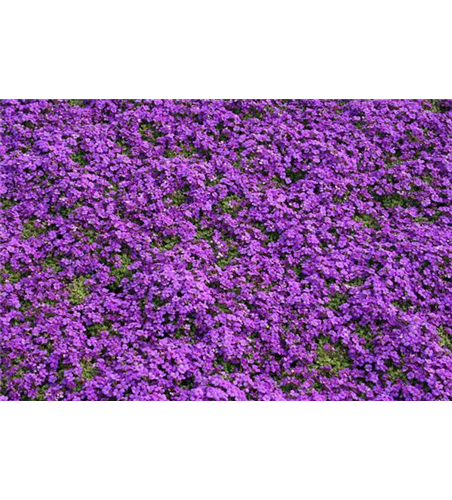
(225, 250)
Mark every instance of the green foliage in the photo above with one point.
(25, 305)
(404, 305)
(204, 234)
(438, 106)
(77, 102)
(89, 371)
(429, 220)
(359, 125)
(157, 302)
(41, 394)
(227, 259)
(95, 329)
(367, 220)
(395, 373)
(9, 274)
(229, 204)
(223, 308)
(272, 236)
(332, 357)
(66, 211)
(226, 365)
(179, 197)
(78, 291)
(296, 175)
(169, 153)
(213, 181)
(188, 383)
(187, 151)
(169, 242)
(51, 262)
(337, 300)
(29, 230)
(254, 113)
(149, 132)
(80, 158)
(288, 387)
(445, 338)
(356, 282)
(341, 199)
(121, 272)
(298, 269)
(395, 200)
(6, 203)
(365, 332)
(125, 148)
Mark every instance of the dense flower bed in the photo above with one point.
(218, 250)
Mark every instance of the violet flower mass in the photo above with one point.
(225, 250)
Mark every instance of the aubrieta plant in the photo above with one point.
(225, 250)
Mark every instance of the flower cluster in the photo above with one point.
(225, 250)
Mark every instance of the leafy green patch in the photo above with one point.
(365, 332)
(89, 371)
(204, 234)
(78, 291)
(8, 274)
(332, 357)
(341, 199)
(213, 181)
(254, 113)
(226, 365)
(30, 230)
(51, 262)
(77, 102)
(94, 329)
(125, 148)
(429, 220)
(223, 308)
(288, 387)
(149, 132)
(272, 236)
(80, 158)
(438, 105)
(404, 305)
(187, 151)
(396, 200)
(445, 338)
(359, 124)
(227, 259)
(395, 373)
(157, 302)
(121, 272)
(367, 220)
(356, 282)
(337, 300)
(170, 153)
(187, 383)
(179, 197)
(296, 175)
(65, 211)
(42, 392)
(299, 271)
(230, 205)
(169, 242)
(5, 203)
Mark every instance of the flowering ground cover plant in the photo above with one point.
(225, 250)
